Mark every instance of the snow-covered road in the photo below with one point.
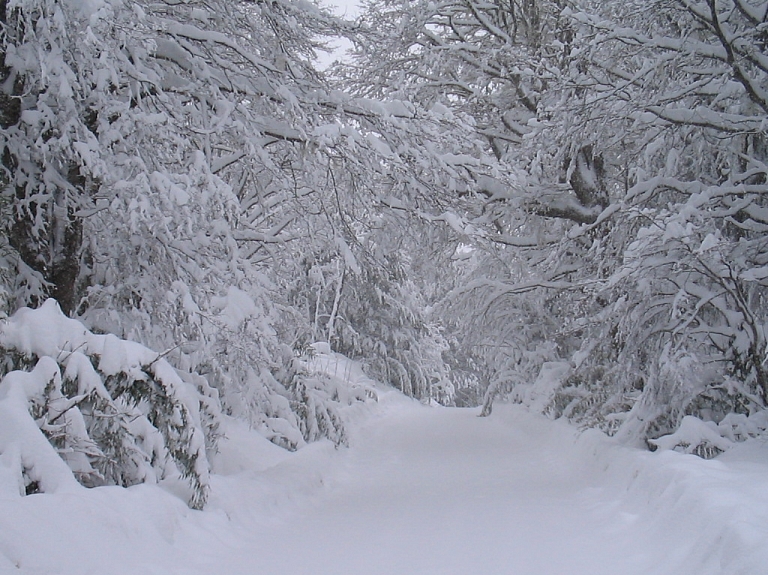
(441, 491)
(445, 492)
(419, 491)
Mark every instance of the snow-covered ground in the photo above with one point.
(422, 490)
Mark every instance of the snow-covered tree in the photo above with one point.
(499, 63)
(687, 305)
(617, 171)
(499, 67)
(172, 167)
(114, 411)
(151, 153)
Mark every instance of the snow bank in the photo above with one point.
(715, 511)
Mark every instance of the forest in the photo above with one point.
(556, 203)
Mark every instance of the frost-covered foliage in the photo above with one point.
(401, 344)
(679, 323)
(504, 324)
(160, 159)
(495, 65)
(618, 223)
(115, 412)
(369, 297)
(708, 439)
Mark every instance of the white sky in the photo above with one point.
(349, 9)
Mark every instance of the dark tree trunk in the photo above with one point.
(588, 178)
(46, 233)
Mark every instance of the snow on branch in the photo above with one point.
(78, 405)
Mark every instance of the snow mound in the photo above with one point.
(75, 405)
(708, 439)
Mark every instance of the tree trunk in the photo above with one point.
(490, 395)
(47, 234)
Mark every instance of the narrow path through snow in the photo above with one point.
(441, 491)
(419, 491)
